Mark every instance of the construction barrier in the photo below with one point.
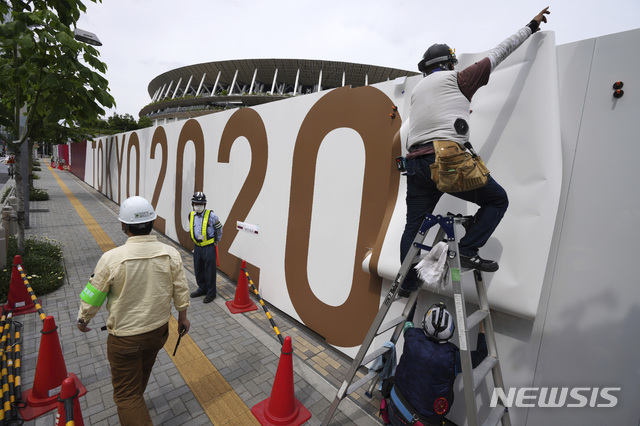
(34, 299)
(16, 343)
(51, 371)
(69, 413)
(282, 407)
(21, 299)
(264, 307)
(242, 302)
(10, 367)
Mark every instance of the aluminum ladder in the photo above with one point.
(472, 378)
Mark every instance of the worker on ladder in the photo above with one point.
(440, 109)
(425, 375)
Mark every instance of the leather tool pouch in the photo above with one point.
(456, 170)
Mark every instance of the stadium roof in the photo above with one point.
(245, 82)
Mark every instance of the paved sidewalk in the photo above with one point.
(243, 348)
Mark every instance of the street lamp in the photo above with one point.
(86, 37)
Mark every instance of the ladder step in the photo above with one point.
(391, 324)
(481, 371)
(375, 354)
(495, 416)
(475, 318)
(361, 382)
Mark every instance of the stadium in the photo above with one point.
(200, 89)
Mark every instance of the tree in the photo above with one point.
(50, 81)
(144, 121)
(121, 123)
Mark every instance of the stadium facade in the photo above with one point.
(200, 89)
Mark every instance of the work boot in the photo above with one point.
(198, 293)
(476, 262)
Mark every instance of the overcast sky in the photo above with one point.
(145, 38)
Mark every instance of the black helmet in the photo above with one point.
(199, 198)
(437, 54)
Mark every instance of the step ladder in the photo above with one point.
(472, 378)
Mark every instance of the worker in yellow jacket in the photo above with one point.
(138, 280)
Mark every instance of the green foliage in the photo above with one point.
(50, 83)
(56, 80)
(116, 124)
(6, 192)
(36, 194)
(42, 263)
(144, 121)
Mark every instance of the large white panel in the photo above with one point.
(590, 330)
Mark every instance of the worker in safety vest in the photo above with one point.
(424, 379)
(205, 230)
(138, 280)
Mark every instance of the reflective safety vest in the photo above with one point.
(205, 241)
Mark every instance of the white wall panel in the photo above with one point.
(590, 328)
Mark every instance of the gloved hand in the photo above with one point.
(539, 18)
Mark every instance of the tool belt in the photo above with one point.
(456, 170)
(404, 409)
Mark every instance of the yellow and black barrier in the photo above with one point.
(6, 325)
(10, 371)
(264, 307)
(35, 300)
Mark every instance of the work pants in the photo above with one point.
(422, 197)
(131, 359)
(204, 263)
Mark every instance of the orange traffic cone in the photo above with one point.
(19, 299)
(51, 371)
(282, 407)
(68, 404)
(242, 303)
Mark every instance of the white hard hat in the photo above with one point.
(136, 210)
(438, 323)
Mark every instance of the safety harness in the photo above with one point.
(403, 409)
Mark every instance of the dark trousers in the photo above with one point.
(204, 263)
(422, 197)
(131, 359)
